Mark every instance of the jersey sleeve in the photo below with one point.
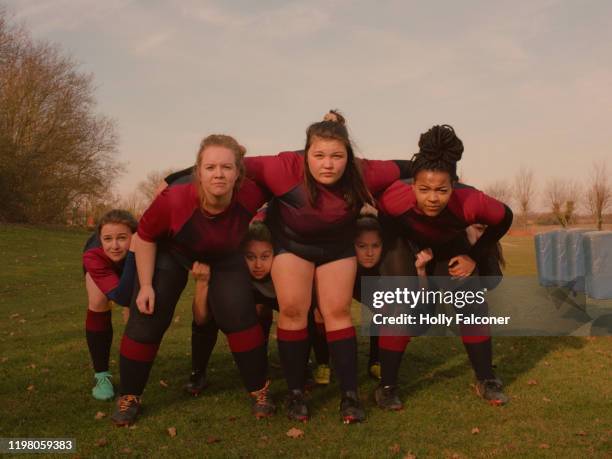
(100, 270)
(379, 174)
(156, 221)
(481, 208)
(397, 199)
(252, 197)
(277, 173)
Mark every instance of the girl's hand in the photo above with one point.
(422, 258)
(145, 301)
(461, 266)
(200, 272)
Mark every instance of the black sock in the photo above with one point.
(253, 367)
(343, 352)
(251, 356)
(265, 320)
(293, 350)
(135, 363)
(99, 334)
(481, 358)
(374, 352)
(391, 352)
(203, 340)
(319, 344)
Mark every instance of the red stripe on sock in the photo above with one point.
(141, 352)
(246, 340)
(337, 335)
(292, 335)
(98, 321)
(475, 339)
(393, 343)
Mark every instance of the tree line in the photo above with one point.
(55, 148)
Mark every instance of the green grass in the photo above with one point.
(45, 383)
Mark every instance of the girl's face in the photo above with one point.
(327, 160)
(432, 190)
(115, 238)
(368, 247)
(218, 171)
(259, 256)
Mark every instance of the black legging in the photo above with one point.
(231, 301)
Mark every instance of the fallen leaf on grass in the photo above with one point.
(32, 366)
(581, 433)
(172, 432)
(264, 438)
(101, 442)
(177, 319)
(22, 321)
(410, 456)
(163, 383)
(126, 450)
(544, 446)
(211, 440)
(532, 382)
(4, 359)
(395, 448)
(295, 433)
(14, 316)
(475, 431)
(546, 399)
(31, 387)
(100, 415)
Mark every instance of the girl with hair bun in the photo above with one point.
(318, 195)
(202, 220)
(109, 268)
(433, 211)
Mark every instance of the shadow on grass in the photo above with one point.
(512, 356)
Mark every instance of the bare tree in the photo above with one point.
(54, 148)
(149, 186)
(561, 197)
(524, 191)
(134, 202)
(599, 192)
(500, 190)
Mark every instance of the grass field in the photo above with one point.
(560, 388)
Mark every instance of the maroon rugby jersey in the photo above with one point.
(176, 219)
(466, 206)
(103, 271)
(283, 175)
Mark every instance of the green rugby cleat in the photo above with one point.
(103, 390)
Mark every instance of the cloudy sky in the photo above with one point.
(523, 83)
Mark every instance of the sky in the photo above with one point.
(524, 83)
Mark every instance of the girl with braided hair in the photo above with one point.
(433, 211)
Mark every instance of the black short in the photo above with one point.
(319, 254)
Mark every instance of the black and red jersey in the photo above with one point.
(466, 206)
(176, 220)
(330, 217)
(115, 280)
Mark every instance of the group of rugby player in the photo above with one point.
(294, 232)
